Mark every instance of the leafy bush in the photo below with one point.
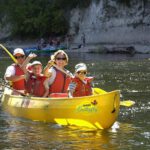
(30, 18)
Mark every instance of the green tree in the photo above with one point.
(30, 18)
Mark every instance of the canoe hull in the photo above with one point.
(97, 111)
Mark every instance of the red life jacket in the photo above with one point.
(82, 89)
(18, 85)
(35, 85)
(60, 84)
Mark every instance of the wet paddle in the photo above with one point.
(127, 103)
(21, 93)
(7, 51)
(60, 69)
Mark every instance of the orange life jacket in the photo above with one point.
(18, 85)
(82, 88)
(60, 84)
(35, 85)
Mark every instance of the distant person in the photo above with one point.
(54, 42)
(58, 41)
(58, 81)
(14, 72)
(83, 39)
(68, 41)
(41, 44)
(81, 85)
(50, 41)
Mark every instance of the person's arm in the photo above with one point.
(46, 85)
(10, 75)
(15, 78)
(27, 60)
(71, 89)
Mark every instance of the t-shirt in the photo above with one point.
(52, 71)
(10, 71)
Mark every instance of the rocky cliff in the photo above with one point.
(112, 22)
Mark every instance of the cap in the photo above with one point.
(80, 66)
(18, 51)
(36, 63)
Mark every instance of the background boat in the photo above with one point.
(43, 51)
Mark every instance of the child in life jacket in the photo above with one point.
(36, 82)
(81, 84)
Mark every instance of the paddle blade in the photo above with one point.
(97, 91)
(7, 51)
(127, 103)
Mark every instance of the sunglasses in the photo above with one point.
(82, 72)
(17, 57)
(59, 58)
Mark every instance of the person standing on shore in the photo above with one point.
(83, 39)
(14, 73)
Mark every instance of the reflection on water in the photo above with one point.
(20, 133)
(129, 74)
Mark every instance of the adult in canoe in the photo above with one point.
(14, 73)
(81, 84)
(58, 81)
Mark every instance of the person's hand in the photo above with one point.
(72, 87)
(32, 55)
(50, 63)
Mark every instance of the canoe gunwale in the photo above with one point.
(59, 98)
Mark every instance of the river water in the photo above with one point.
(130, 74)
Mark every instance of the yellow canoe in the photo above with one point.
(98, 111)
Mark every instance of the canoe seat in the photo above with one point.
(59, 95)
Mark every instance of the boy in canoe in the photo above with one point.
(81, 84)
(36, 82)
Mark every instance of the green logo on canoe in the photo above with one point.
(90, 108)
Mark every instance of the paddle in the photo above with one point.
(69, 92)
(99, 91)
(21, 93)
(7, 51)
(60, 69)
(126, 103)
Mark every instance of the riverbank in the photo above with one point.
(88, 48)
(111, 48)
